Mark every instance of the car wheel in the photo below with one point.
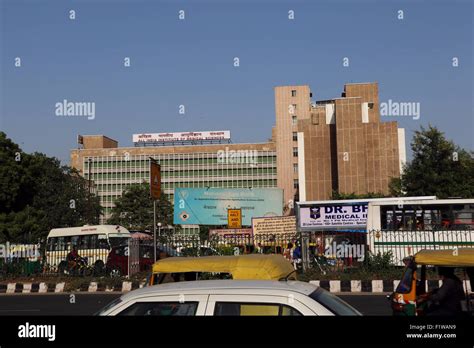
(87, 272)
(115, 272)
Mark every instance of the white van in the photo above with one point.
(91, 242)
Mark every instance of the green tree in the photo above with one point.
(439, 167)
(395, 187)
(38, 194)
(134, 209)
(11, 176)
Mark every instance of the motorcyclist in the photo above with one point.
(72, 258)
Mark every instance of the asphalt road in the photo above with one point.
(88, 304)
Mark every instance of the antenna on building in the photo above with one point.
(80, 141)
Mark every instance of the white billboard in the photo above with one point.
(274, 225)
(180, 136)
(333, 216)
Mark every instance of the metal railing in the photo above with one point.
(327, 251)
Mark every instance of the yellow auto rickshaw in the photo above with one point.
(406, 300)
(250, 267)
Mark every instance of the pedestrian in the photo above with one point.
(287, 253)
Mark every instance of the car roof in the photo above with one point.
(250, 266)
(214, 286)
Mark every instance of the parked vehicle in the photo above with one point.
(230, 298)
(117, 260)
(405, 301)
(252, 266)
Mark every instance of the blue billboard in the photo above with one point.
(208, 206)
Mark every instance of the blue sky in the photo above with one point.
(190, 62)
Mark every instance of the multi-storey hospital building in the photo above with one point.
(317, 147)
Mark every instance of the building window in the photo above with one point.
(371, 105)
(295, 136)
(295, 152)
(295, 167)
(294, 120)
(295, 184)
(293, 93)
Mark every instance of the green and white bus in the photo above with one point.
(405, 227)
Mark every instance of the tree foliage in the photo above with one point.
(134, 209)
(439, 167)
(38, 194)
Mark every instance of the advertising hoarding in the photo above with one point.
(274, 225)
(208, 206)
(180, 136)
(333, 216)
(231, 233)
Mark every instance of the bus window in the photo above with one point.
(102, 242)
(93, 241)
(52, 242)
(75, 241)
(84, 242)
(62, 243)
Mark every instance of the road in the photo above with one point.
(88, 304)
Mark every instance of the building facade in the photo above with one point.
(335, 145)
(316, 148)
(113, 168)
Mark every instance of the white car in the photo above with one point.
(230, 298)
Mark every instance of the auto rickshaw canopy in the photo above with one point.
(250, 267)
(461, 257)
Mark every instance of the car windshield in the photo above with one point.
(116, 241)
(333, 303)
(110, 305)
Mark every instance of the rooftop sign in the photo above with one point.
(180, 136)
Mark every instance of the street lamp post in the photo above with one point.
(154, 234)
(154, 230)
